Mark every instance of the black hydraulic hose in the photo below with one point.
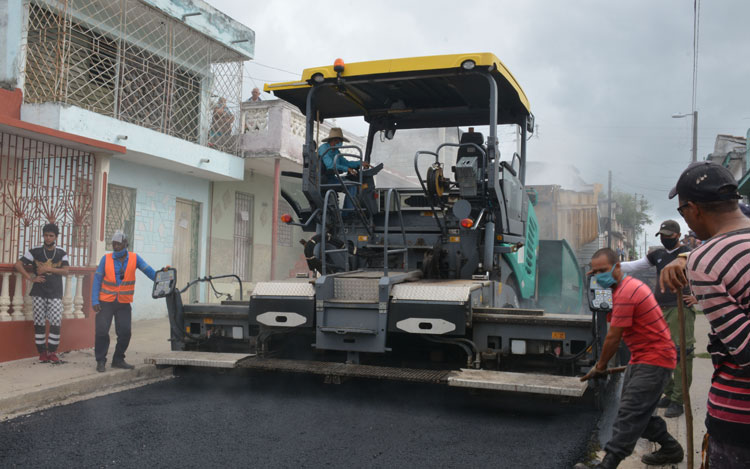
(210, 279)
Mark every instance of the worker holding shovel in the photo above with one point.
(719, 275)
(636, 319)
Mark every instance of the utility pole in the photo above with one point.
(695, 136)
(609, 212)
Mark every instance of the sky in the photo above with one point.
(603, 78)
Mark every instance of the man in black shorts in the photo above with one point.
(49, 263)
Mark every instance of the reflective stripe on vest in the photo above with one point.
(122, 293)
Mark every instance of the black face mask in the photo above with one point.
(669, 243)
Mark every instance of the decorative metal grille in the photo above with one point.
(285, 231)
(243, 234)
(120, 211)
(125, 59)
(42, 183)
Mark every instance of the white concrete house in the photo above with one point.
(161, 78)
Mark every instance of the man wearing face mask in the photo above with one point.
(669, 232)
(637, 320)
(111, 295)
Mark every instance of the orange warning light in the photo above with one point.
(338, 65)
(286, 218)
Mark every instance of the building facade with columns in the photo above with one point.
(157, 78)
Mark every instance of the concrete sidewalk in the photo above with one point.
(27, 385)
(702, 371)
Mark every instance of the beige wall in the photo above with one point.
(290, 260)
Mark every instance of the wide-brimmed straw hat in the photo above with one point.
(336, 133)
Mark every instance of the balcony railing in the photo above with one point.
(17, 305)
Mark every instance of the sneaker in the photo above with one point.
(121, 364)
(664, 402)
(674, 410)
(43, 357)
(100, 367)
(52, 357)
(671, 452)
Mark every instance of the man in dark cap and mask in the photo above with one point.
(719, 274)
(669, 233)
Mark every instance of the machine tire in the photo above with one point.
(313, 262)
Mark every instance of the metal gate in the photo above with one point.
(243, 235)
(44, 183)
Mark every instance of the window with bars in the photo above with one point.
(127, 60)
(120, 211)
(243, 235)
(285, 231)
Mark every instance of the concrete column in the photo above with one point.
(11, 21)
(275, 216)
(78, 299)
(99, 208)
(17, 300)
(5, 297)
(67, 299)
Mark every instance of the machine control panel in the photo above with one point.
(600, 298)
(164, 283)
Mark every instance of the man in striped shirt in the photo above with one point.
(636, 319)
(719, 275)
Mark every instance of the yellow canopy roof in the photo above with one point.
(427, 91)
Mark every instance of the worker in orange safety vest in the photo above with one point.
(111, 296)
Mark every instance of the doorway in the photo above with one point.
(186, 252)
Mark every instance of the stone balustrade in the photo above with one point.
(17, 305)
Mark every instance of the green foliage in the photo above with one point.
(632, 212)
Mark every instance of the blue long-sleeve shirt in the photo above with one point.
(342, 165)
(119, 267)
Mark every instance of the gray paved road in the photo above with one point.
(272, 420)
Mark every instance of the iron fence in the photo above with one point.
(44, 183)
(130, 61)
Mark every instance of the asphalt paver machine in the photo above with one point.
(444, 281)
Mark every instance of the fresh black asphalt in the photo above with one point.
(275, 420)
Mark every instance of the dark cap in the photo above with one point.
(705, 181)
(668, 228)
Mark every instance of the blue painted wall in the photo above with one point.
(157, 191)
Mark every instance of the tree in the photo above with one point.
(632, 213)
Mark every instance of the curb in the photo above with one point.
(101, 383)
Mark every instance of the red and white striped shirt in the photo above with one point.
(719, 274)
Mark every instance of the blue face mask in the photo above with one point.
(605, 279)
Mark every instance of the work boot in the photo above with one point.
(674, 410)
(100, 366)
(610, 461)
(52, 357)
(121, 364)
(664, 402)
(43, 357)
(671, 452)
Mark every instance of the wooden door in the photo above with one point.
(186, 252)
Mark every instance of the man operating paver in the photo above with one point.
(719, 275)
(636, 319)
(669, 233)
